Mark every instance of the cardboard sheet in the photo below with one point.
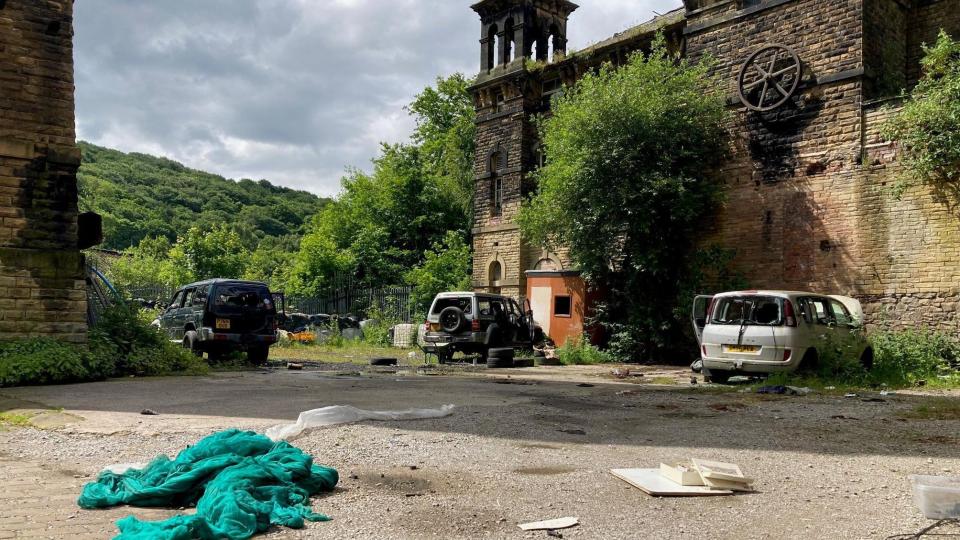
(651, 482)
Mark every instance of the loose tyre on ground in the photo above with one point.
(500, 358)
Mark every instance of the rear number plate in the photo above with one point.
(741, 348)
(223, 324)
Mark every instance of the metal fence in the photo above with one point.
(389, 302)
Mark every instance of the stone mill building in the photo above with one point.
(42, 287)
(808, 201)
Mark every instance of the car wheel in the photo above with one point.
(717, 377)
(258, 356)
(452, 320)
(810, 362)
(866, 359)
(190, 343)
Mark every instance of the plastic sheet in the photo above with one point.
(345, 414)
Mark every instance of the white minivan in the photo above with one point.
(763, 332)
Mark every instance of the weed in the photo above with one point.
(935, 409)
(581, 352)
(15, 419)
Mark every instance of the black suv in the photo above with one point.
(476, 323)
(223, 316)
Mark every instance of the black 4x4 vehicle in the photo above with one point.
(222, 316)
(475, 323)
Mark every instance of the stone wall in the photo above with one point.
(42, 288)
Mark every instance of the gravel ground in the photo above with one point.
(533, 446)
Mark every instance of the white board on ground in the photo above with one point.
(551, 524)
(651, 482)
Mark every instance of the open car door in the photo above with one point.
(853, 306)
(699, 315)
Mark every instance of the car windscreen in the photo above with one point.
(239, 297)
(749, 310)
(465, 305)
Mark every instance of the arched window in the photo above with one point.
(492, 46)
(507, 42)
(496, 273)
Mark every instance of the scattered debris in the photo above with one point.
(887, 393)
(627, 393)
(585, 385)
(554, 534)
(850, 395)
(149, 412)
(620, 373)
(573, 431)
(650, 481)
(937, 496)
(842, 417)
(784, 390)
(830, 388)
(294, 366)
(695, 478)
(550, 524)
(345, 414)
(693, 380)
(384, 362)
(873, 400)
(697, 366)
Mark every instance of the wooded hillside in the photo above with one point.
(142, 196)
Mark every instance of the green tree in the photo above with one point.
(928, 126)
(215, 253)
(445, 268)
(627, 184)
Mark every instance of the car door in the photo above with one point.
(699, 315)
(184, 313)
(817, 312)
(523, 325)
(845, 328)
(168, 321)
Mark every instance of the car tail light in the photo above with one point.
(475, 325)
(786, 355)
(790, 318)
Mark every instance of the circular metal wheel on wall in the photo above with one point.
(769, 78)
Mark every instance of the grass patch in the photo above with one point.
(581, 353)
(935, 409)
(662, 381)
(15, 419)
(356, 352)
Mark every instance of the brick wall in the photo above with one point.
(41, 271)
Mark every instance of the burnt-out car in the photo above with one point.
(222, 316)
(475, 323)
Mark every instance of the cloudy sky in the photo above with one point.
(292, 91)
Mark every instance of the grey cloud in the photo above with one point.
(289, 90)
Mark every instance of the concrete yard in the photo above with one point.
(522, 445)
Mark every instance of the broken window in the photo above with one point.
(749, 310)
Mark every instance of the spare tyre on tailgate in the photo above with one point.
(452, 320)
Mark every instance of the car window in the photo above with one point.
(815, 310)
(188, 301)
(516, 308)
(202, 293)
(177, 300)
(486, 311)
(463, 303)
(840, 313)
(749, 310)
(240, 296)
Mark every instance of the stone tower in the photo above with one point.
(42, 288)
(518, 37)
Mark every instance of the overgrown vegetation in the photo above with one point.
(902, 359)
(119, 345)
(928, 127)
(627, 187)
(579, 352)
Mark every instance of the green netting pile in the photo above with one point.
(241, 484)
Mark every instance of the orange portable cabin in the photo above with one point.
(560, 303)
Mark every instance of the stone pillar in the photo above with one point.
(42, 287)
